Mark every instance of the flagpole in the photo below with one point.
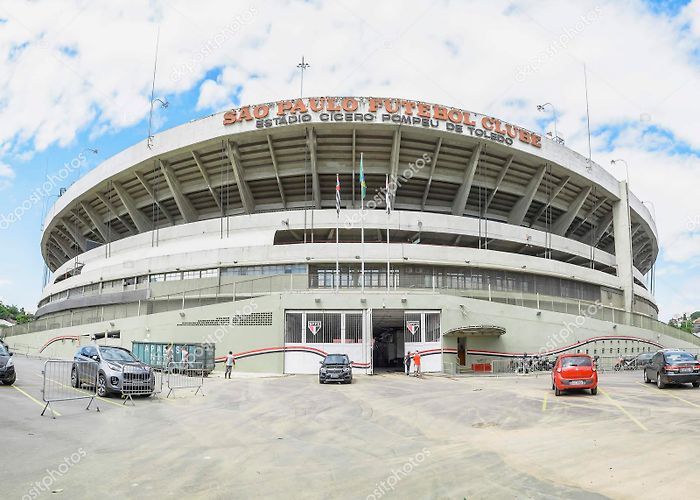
(362, 231)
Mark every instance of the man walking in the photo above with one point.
(416, 362)
(230, 362)
(407, 363)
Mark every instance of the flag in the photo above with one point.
(363, 185)
(387, 195)
(337, 194)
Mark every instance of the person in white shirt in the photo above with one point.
(185, 358)
(230, 363)
(168, 355)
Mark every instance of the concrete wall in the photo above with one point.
(260, 346)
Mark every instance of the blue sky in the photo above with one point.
(77, 75)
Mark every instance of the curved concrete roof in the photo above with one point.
(205, 169)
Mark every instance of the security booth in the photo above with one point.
(461, 335)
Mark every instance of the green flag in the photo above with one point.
(363, 184)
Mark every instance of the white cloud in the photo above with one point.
(217, 94)
(6, 176)
(6, 171)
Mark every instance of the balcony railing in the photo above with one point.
(299, 283)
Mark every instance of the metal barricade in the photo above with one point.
(137, 379)
(68, 381)
(185, 375)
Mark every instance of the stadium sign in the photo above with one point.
(381, 110)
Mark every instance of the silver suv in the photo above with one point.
(107, 366)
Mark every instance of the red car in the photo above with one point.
(574, 371)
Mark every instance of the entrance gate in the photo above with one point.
(372, 338)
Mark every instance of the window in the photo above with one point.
(191, 275)
(210, 273)
(157, 277)
(432, 327)
(353, 328)
(293, 328)
(412, 327)
(322, 328)
(173, 276)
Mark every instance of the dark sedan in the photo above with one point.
(7, 366)
(643, 359)
(672, 366)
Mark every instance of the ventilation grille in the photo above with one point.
(252, 319)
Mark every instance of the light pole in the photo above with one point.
(653, 208)
(542, 107)
(163, 104)
(303, 65)
(80, 165)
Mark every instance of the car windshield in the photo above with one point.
(678, 357)
(336, 359)
(3, 351)
(576, 361)
(111, 354)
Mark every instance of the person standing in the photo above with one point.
(169, 355)
(230, 363)
(407, 363)
(416, 363)
(185, 357)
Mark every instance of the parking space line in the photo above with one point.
(665, 393)
(78, 390)
(544, 402)
(34, 399)
(619, 407)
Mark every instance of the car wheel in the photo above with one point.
(647, 380)
(320, 381)
(659, 383)
(696, 384)
(10, 381)
(594, 391)
(101, 386)
(74, 378)
(557, 391)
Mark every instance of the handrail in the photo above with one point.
(247, 288)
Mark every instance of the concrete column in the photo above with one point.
(623, 245)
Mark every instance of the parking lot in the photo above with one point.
(383, 436)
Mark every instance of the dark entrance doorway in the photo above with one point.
(387, 339)
(462, 350)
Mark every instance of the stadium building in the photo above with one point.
(226, 230)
